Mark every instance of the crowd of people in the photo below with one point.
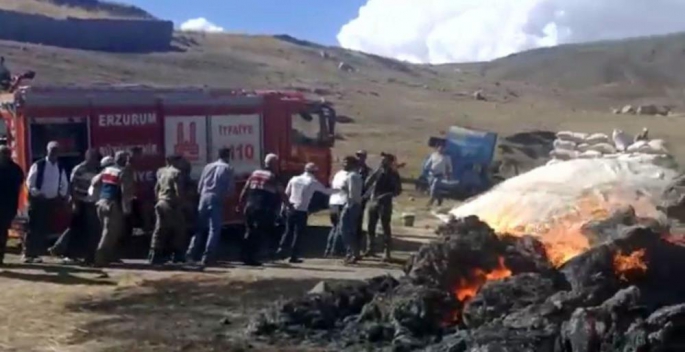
(189, 215)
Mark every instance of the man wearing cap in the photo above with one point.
(364, 171)
(383, 185)
(215, 185)
(261, 198)
(170, 228)
(112, 207)
(79, 240)
(48, 185)
(11, 180)
(300, 190)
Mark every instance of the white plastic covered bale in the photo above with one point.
(554, 201)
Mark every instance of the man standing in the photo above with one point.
(136, 215)
(169, 233)
(261, 197)
(383, 186)
(11, 180)
(215, 185)
(112, 208)
(48, 185)
(352, 188)
(439, 167)
(334, 245)
(300, 190)
(364, 171)
(80, 239)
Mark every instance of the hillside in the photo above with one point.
(75, 8)
(397, 106)
(650, 67)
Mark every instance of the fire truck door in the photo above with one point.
(71, 133)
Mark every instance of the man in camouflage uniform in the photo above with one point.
(170, 225)
(80, 239)
(115, 203)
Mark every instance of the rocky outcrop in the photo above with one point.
(110, 35)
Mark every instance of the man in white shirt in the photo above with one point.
(347, 228)
(300, 191)
(439, 168)
(334, 245)
(48, 185)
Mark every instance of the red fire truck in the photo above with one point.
(193, 122)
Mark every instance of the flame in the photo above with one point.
(561, 232)
(469, 287)
(630, 265)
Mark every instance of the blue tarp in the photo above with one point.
(467, 149)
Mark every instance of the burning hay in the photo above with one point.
(475, 291)
(561, 203)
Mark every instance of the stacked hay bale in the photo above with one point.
(576, 145)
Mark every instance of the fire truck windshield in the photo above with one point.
(314, 127)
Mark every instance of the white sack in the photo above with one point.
(597, 138)
(553, 202)
(635, 147)
(575, 137)
(590, 154)
(561, 154)
(621, 139)
(658, 145)
(604, 148)
(564, 145)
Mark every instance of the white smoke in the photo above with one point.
(442, 31)
(200, 24)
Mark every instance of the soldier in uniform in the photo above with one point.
(169, 233)
(114, 204)
(261, 199)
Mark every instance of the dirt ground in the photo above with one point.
(132, 307)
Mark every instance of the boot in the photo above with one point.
(370, 247)
(179, 257)
(387, 256)
(155, 258)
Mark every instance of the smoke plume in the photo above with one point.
(442, 31)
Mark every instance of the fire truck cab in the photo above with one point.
(193, 122)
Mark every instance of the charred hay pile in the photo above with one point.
(475, 291)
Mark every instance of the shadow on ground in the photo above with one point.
(192, 314)
(313, 245)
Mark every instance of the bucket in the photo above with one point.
(408, 220)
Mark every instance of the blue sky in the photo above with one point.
(314, 20)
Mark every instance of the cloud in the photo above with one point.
(441, 31)
(200, 24)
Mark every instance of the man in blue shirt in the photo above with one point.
(215, 185)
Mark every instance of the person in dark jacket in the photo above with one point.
(11, 180)
(80, 239)
(364, 171)
(383, 185)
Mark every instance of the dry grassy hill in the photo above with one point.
(75, 8)
(397, 106)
